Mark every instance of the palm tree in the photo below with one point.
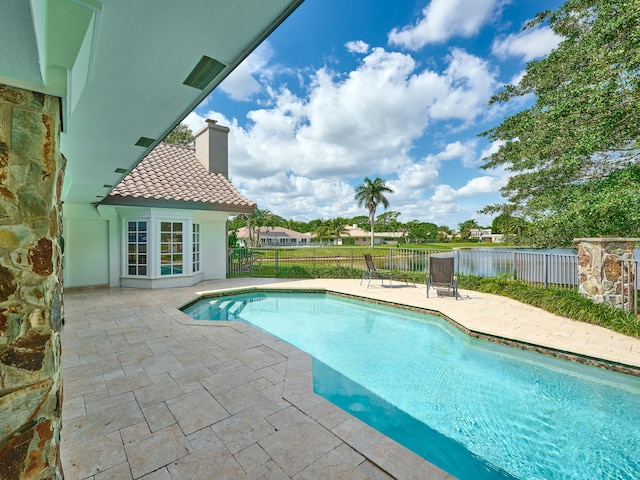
(322, 231)
(370, 194)
(291, 224)
(465, 228)
(255, 221)
(337, 226)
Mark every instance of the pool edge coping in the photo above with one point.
(603, 363)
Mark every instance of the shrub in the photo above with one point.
(294, 271)
(338, 272)
(561, 301)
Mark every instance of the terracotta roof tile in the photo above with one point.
(173, 173)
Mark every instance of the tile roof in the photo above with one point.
(273, 232)
(173, 175)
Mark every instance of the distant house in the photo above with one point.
(485, 235)
(163, 225)
(275, 237)
(363, 237)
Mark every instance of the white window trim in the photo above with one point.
(153, 246)
(125, 247)
(199, 270)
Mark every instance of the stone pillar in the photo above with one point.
(31, 174)
(599, 271)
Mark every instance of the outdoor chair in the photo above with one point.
(441, 276)
(371, 272)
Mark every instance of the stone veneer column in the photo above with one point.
(599, 271)
(31, 174)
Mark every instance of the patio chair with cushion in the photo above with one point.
(441, 276)
(371, 272)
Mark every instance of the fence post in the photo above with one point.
(391, 260)
(546, 270)
(456, 267)
(634, 284)
(276, 260)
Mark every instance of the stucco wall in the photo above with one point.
(93, 240)
(86, 247)
(214, 245)
(31, 174)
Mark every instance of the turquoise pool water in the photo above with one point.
(476, 409)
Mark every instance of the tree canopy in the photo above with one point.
(388, 221)
(465, 228)
(420, 232)
(574, 153)
(181, 135)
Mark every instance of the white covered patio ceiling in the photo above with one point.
(120, 67)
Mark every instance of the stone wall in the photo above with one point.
(31, 174)
(600, 273)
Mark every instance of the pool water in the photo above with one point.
(476, 409)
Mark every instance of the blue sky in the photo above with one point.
(343, 90)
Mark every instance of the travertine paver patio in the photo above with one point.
(151, 394)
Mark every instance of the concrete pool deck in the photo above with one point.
(150, 394)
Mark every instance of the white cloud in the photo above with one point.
(466, 152)
(462, 204)
(444, 194)
(241, 84)
(301, 154)
(475, 186)
(469, 85)
(365, 121)
(357, 46)
(527, 45)
(195, 122)
(303, 198)
(480, 185)
(443, 19)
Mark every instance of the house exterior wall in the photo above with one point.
(86, 247)
(95, 246)
(214, 244)
(31, 170)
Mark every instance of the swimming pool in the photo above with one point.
(476, 409)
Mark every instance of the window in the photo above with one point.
(171, 248)
(137, 248)
(165, 247)
(196, 248)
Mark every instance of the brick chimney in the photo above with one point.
(212, 148)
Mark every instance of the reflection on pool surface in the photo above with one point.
(476, 409)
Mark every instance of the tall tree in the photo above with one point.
(388, 221)
(337, 226)
(256, 221)
(237, 222)
(513, 228)
(361, 221)
(577, 146)
(370, 194)
(420, 232)
(442, 236)
(181, 135)
(323, 231)
(291, 224)
(465, 228)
